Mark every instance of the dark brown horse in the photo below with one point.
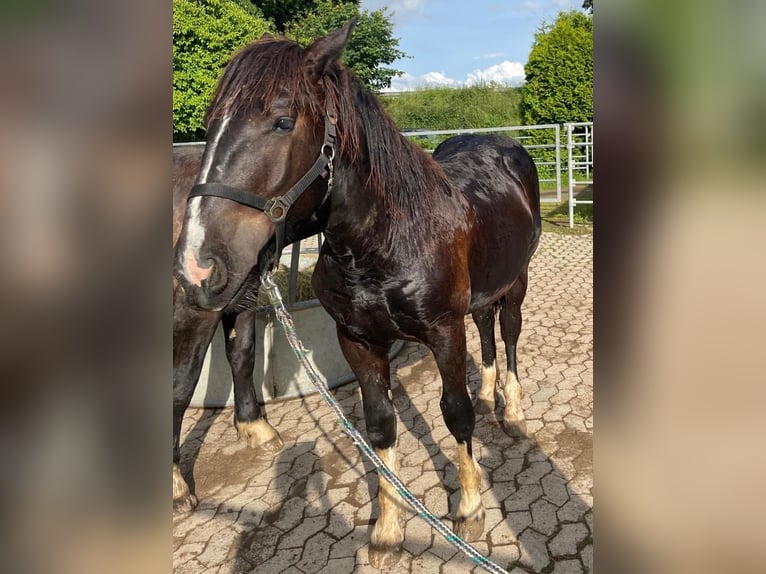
(412, 244)
(193, 329)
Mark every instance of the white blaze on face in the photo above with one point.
(195, 231)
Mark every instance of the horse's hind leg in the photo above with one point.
(449, 349)
(239, 332)
(192, 332)
(485, 323)
(372, 369)
(510, 328)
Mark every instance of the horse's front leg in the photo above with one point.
(371, 367)
(249, 419)
(448, 345)
(192, 332)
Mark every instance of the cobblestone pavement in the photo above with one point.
(310, 507)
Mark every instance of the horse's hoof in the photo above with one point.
(271, 446)
(260, 435)
(470, 529)
(484, 407)
(515, 428)
(384, 557)
(183, 499)
(184, 504)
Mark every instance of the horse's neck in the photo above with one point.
(350, 198)
(368, 218)
(356, 216)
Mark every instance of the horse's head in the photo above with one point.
(267, 128)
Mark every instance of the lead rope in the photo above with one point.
(300, 352)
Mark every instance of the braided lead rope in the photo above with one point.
(300, 352)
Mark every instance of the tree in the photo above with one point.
(205, 34)
(285, 12)
(371, 48)
(588, 5)
(251, 8)
(559, 73)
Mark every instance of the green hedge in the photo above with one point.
(485, 106)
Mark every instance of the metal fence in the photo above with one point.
(579, 161)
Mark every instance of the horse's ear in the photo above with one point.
(323, 54)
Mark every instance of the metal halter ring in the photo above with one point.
(329, 156)
(278, 210)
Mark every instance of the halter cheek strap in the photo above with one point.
(276, 208)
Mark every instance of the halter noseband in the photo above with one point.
(276, 208)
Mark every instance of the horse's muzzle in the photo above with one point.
(207, 293)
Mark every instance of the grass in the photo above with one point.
(555, 216)
(454, 108)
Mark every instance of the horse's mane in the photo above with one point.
(403, 176)
(260, 73)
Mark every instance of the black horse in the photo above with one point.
(412, 244)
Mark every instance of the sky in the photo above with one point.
(463, 42)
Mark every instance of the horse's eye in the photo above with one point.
(284, 125)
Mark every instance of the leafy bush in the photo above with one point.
(559, 79)
(559, 73)
(205, 34)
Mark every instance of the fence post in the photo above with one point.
(588, 139)
(570, 175)
(292, 285)
(558, 163)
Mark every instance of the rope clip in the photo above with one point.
(270, 286)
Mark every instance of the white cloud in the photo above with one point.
(408, 82)
(438, 79)
(529, 6)
(509, 73)
(490, 56)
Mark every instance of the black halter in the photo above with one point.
(276, 208)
